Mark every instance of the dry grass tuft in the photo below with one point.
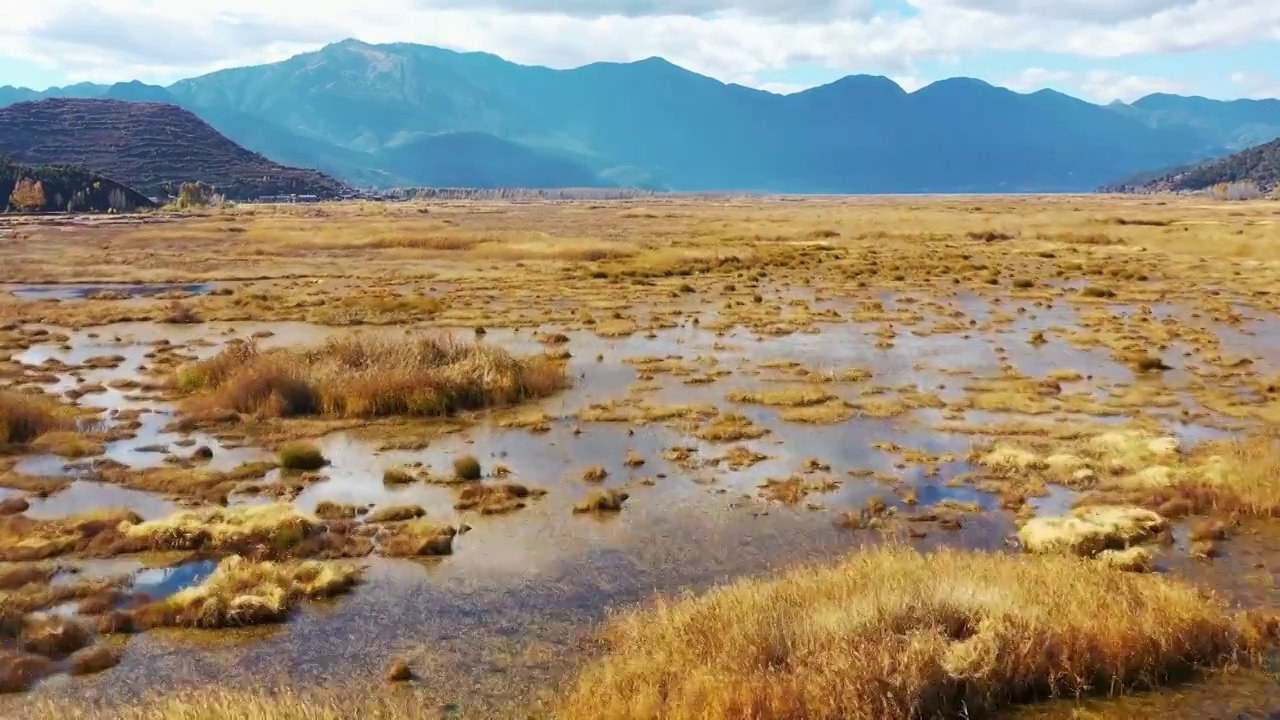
(1089, 531)
(68, 444)
(366, 376)
(467, 468)
(496, 499)
(53, 636)
(891, 633)
(26, 416)
(94, 659)
(19, 671)
(278, 528)
(23, 538)
(219, 703)
(787, 397)
(731, 427)
(302, 457)
(240, 592)
(419, 538)
(602, 501)
(395, 513)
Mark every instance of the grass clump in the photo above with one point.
(496, 499)
(789, 397)
(397, 476)
(23, 538)
(26, 416)
(302, 457)
(731, 427)
(1089, 531)
(892, 633)
(602, 501)
(419, 538)
(367, 376)
(278, 528)
(395, 513)
(240, 593)
(467, 468)
(91, 660)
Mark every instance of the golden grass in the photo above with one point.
(220, 703)
(240, 592)
(25, 416)
(730, 427)
(366, 376)
(419, 538)
(495, 499)
(891, 633)
(277, 527)
(788, 397)
(1089, 531)
(602, 501)
(23, 538)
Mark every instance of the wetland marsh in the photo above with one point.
(659, 458)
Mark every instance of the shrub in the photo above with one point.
(302, 456)
(467, 467)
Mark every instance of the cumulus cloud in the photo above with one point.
(1098, 85)
(784, 10)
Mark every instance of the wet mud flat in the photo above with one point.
(747, 438)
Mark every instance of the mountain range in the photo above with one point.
(402, 114)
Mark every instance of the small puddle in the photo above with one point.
(106, 291)
(160, 583)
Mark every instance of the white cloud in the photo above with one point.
(1101, 86)
(734, 41)
(1256, 85)
(1105, 86)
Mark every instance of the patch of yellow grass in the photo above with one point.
(419, 538)
(215, 703)
(787, 397)
(367, 376)
(241, 593)
(1090, 530)
(26, 416)
(833, 412)
(278, 526)
(891, 633)
(731, 427)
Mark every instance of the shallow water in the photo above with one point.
(503, 616)
(82, 291)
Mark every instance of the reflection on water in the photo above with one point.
(81, 291)
(542, 576)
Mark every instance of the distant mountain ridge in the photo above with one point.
(403, 114)
(151, 147)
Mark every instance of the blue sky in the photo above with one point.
(1097, 49)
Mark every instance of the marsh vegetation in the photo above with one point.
(648, 458)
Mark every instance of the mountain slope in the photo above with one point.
(60, 188)
(1235, 124)
(404, 114)
(148, 146)
(653, 121)
(1259, 165)
(480, 160)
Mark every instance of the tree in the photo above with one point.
(28, 196)
(194, 194)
